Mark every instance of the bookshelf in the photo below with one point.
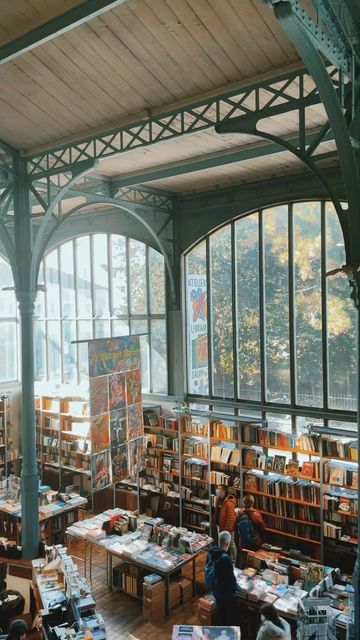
(8, 454)
(62, 439)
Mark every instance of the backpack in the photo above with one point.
(210, 572)
(246, 530)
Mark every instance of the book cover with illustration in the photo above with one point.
(135, 427)
(307, 469)
(354, 480)
(293, 468)
(118, 426)
(99, 399)
(99, 432)
(250, 457)
(250, 483)
(119, 462)
(133, 387)
(117, 395)
(269, 463)
(279, 463)
(336, 475)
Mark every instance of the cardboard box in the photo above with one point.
(154, 590)
(154, 608)
(179, 592)
(207, 618)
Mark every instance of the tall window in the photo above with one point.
(8, 325)
(264, 323)
(98, 286)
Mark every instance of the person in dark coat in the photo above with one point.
(225, 582)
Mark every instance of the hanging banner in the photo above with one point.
(197, 334)
(115, 409)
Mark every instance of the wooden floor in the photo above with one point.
(122, 613)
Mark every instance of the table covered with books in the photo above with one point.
(52, 503)
(141, 541)
(196, 632)
(287, 582)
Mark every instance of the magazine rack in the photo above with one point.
(315, 620)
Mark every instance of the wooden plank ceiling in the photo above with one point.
(143, 55)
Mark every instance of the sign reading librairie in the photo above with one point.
(115, 409)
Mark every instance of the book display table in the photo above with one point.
(56, 512)
(191, 632)
(150, 547)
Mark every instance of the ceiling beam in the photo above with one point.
(201, 163)
(55, 27)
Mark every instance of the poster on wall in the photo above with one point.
(112, 355)
(115, 409)
(99, 432)
(136, 455)
(197, 334)
(98, 390)
(118, 427)
(135, 428)
(119, 463)
(100, 470)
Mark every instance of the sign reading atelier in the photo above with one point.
(115, 409)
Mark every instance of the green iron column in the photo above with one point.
(174, 315)
(26, 294)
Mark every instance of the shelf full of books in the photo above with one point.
(304, 483)
(8, 453)
(62, 438)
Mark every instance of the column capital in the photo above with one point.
(26, 300)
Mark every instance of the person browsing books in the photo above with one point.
(249, 527)
(225, 515)
(224, 585)
(272, 626)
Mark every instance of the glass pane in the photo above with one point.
(84, 328)
(67, 280)
(8, 351)
(101, 276)
(119, 328)
(69, 350)
(308, 317)
(275, 224)
(158, 356)
(101, 329)
(341, 322)
(7, 298)
(39, 310)
(119, 276)
(137, 257)
(83, 277)
(141, 326)
(40, 350)
(52, 285)
(247, 307)
(157, 281)
(196, 326)
(54, 354)
(221, 313)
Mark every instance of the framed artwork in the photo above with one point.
(99, 432)
(117, 397)
(100, 470)
(135, 427)
(99, 396)
(118, 426)
(119, 463)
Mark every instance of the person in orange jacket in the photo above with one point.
(225, 515)
(251, 522)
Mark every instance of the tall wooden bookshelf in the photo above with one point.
(289, 474)
(8, 454)
(62, 439)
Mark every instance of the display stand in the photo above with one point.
(315, 620)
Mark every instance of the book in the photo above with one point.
(336, 475)
(354, 481)
(250, 482)
(307, 469)
(250, 458)
(345, 505)
(268, 463)
(279, 463)
(293, 468)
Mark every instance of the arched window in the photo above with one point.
(8, 325)
(264, 323)
(97, 286)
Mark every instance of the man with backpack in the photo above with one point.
(249, 527)
(220, 579)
